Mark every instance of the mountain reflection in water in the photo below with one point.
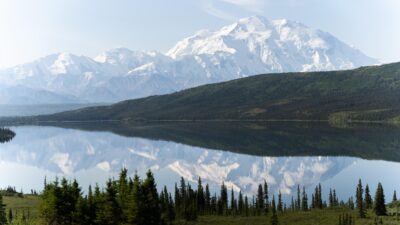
(241, 154)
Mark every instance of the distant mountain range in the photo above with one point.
(253, 45)
(364, 94)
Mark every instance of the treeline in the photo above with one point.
(6, 135)
(10, 191)
(137, 201)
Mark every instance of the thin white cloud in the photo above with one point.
(219, 8)
(212, 10)
(252, 5)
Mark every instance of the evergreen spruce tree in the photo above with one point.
(190, 213)
(233, 203)
(266, 197)
(109, 211)
(91, 208)
(292, 205)
(207, 199)
(178, 202)
(240, 204)
(171, 209)
(50, 204)
(260, 200)
(274, 216)
(123, 189)
(98, 200)
(359, 200)
(214, 205)
(201, 200)
(330, 198)
(368, 198)
(312, 201)
(280, 204)
(164, 206)
(254, 207)
(394, 199)
(379, 206)
(224, 200)
(246, 206)
(350, 203)
(134, 201)
(150, 205)
(318, 197)
(298, 201)
(81, 212)
(183, 196)
(304, 201)
(335, 199)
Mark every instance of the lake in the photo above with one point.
(241, 154)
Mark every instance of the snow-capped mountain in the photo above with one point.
(250, 46)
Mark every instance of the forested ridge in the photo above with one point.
(363, 94)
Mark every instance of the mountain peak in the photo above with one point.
(251, 45)
(253, 31)
(254, 22)
(277, 45)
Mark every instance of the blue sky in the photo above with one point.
(31, 29)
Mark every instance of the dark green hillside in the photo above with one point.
(367, 93)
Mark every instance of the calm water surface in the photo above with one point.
(241, 155)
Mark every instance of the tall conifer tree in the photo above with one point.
(304, 201)
(280, 204)
(274, 216)
(368, 198)
(260, 200)
(266, 197)
(379, 206)
(359, 200)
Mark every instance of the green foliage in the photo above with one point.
(109, 211)
(64, 203)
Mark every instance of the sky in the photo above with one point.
(32, 29)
